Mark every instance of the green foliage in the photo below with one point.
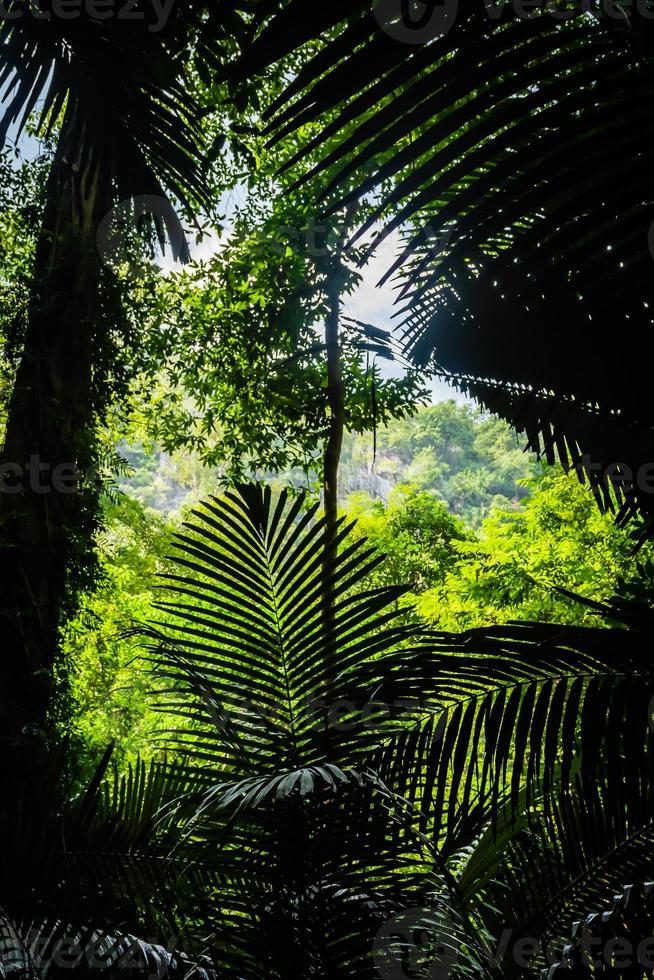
(470, 460)
(479, 135)
(108, 681)
(492, 771)
(327, 812)
(337, 764)
(233, 366)
(416, 534)
(558, 539)
(21, 200)
(459, 577)
(301, 812)
(165, 483)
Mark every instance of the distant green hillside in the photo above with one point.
(470, 460)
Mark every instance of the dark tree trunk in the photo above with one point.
(336, 278)
(331, 463)
(44, 512)
(336, 401)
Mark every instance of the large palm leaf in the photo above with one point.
(261, 641)
(513, 153)
(503, 774)
(126, 80)
(90, 880)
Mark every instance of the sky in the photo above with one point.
(376, 304)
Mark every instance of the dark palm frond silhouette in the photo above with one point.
(499, 780)
(585, 438)
(611, 942)
(348, 788)
(512, 154)
(120, 82)
(90, 881)
(312, 843)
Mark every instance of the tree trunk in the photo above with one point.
(46, 515)
(336, 401)
(336, 278)
(331, 463)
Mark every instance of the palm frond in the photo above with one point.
(617, 940)
(510, 153)
(124, 83)
(524, 746)
(245, 627)
(94, 879)
(269, 693)
(606, 450)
